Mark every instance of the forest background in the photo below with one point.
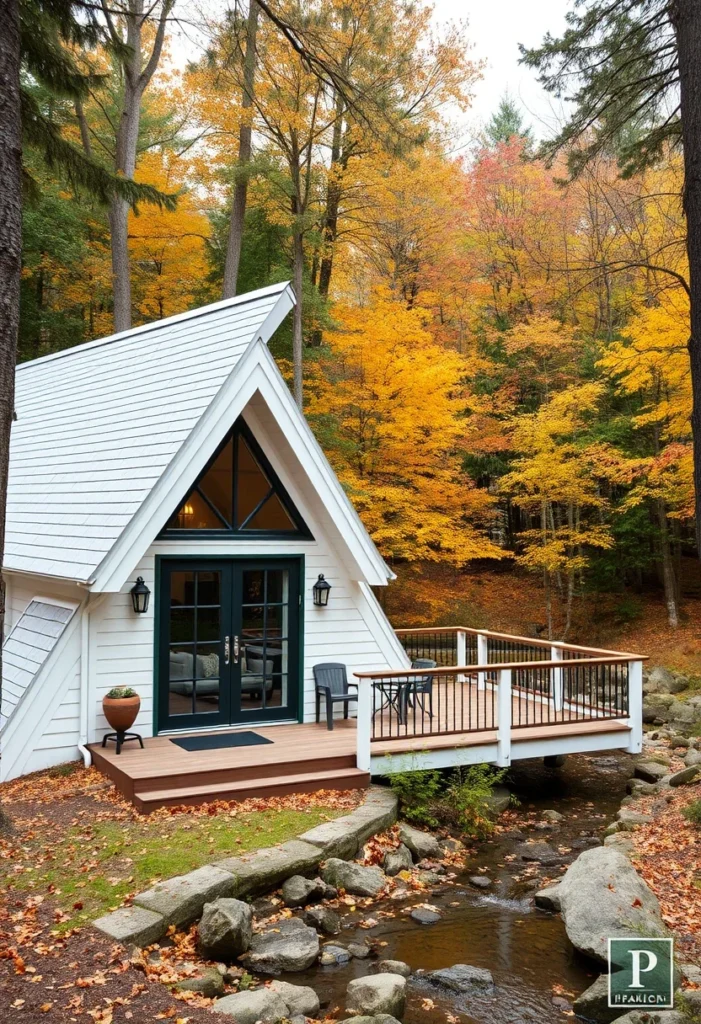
(493, 354)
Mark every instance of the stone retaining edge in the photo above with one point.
(179, 901)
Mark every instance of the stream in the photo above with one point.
(526, 950)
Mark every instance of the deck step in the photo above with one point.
(281, 785)
(224, 777)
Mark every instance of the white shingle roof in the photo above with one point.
(98, 424)
(27, 648)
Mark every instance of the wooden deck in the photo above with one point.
(300, 759)
(307, 758)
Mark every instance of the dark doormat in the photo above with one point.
(217, 741)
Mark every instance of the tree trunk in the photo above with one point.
(670, 587)
(238, 205)
(333, 202)
(136, 78)
(686, 19)
(10, 250)
(297, 284)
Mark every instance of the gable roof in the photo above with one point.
(110, 434)
(98, 424)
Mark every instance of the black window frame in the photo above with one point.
(240, 428)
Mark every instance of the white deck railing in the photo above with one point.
(495, 684)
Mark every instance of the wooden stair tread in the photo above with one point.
(352, 775)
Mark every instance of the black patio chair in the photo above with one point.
(418, 688)
(332, 683)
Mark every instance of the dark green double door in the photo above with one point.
(228, 642)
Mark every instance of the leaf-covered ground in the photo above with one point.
(669, 859)
(72, 849)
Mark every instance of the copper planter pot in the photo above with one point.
(121, 712)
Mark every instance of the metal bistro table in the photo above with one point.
(395, 693)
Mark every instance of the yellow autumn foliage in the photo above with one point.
(387, 404)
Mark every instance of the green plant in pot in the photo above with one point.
(121, 706)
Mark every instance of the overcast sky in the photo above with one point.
(496, 27)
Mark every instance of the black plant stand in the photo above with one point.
(120, 738)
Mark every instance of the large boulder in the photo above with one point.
(258, 1004)
(685, 776)
(538, 851)
(461, 978)
(602, 895)
(300, 999)
(209, 983)
(661, 680)
(685, 714)
(628, 820)
(657, 707)
(650, 771)
(297, 891)
(354, 878)
(398, 860)
(288, 946)
(692, 758)
(323, 919)
(226, 929)
(381, 993)
(423, 845)
(391, 967)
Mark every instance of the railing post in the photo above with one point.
(364, 724)
(482, 658)
(461, 653)
(504, 718)
(556, 675)
(635, 706)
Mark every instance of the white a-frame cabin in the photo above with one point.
(175, 453)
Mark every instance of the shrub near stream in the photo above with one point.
(458, 798)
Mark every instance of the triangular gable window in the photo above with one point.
(238, 492)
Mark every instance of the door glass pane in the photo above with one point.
(194, 643)
(264, 639)
(206, 696)
(182, 588)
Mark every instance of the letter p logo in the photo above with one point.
(637, 956)
(641, 973)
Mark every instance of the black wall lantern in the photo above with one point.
(320, 590)
(140, 595)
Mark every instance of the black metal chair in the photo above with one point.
(332, 683)
(418, 689)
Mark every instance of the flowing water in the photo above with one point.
(526, 950)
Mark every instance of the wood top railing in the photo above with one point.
(489, 682)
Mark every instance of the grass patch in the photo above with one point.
(91, 868)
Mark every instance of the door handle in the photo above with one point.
(227, 649)
(236, 650)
